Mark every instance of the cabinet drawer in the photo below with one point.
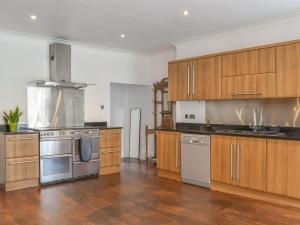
(110, 138)
(18, 146)
(249, 86)
(110, 157)
(22, 169)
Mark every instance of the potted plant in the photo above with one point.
(12, 118)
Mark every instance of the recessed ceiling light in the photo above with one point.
(122, 35)
(185, 12)
(33, 17)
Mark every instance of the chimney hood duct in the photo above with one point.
(60, 68)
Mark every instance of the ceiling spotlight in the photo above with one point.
(33, 17)
(185, 12)
(122, 35)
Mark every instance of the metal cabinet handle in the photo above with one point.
(193, 79)
(57, 139)
(231, 158)
(246, 93)
(107, 152)
(56, 156)
(24, 162)
(176, 153)
(238, 162)
(188, 76)
(21, 139)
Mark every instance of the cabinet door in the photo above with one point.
(258, 61)
(223, 159)
(18, 146)
(288, 70)
(110, 138)
(283, 167)
(110, 157)
(21, 169)
(168, 151)
(207, 80)
(179, 81)
(249, 86)
(251, 163)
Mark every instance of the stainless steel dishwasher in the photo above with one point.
(195, 159)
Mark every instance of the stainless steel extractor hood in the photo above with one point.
(60, 68)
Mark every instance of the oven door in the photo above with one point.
(56, 168)
(95, 148)
(56, 146)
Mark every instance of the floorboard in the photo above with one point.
(136, 196)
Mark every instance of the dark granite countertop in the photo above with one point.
(287, 133)
(21, 130)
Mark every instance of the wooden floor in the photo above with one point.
(136, 196)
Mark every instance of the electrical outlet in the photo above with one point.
(192, 116)
(102, 107)
(186, 116)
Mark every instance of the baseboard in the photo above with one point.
(257, 195)
(169, 175)
(11, 186)
(109, 170)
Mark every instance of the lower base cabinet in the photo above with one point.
(110, 151)
(283, 168)
(169, 154)
(263, 169)
(19, 161)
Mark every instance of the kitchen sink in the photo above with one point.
(250, 132)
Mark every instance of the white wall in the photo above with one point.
(123, 98)
(25, 58)
(190, 107)
(159, 63)
(283, 29)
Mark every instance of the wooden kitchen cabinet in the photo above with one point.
(207, 79)
(110, 151)
(288, 70)
(179, 81)
(21, 145)
(20, 161)
(249, 62)
(169, 154)
(249, 86)
(20, 169)
(222, 159)
(195, 79)
(283, 168)
(239, 161)
(251, 163)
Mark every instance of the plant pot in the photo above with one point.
(13, 127)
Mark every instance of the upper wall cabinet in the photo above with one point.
(288, 70)
(195, 80)
(249, 62)
(271, 71)
(207, 81)
(179, 81)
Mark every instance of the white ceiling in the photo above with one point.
(148, 24)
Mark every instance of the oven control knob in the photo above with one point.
(52, 133)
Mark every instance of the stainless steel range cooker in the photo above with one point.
(67, 154)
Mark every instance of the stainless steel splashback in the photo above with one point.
(283, 112)
(50, 107)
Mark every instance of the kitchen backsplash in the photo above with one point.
(283, 112)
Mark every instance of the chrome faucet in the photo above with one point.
(255, 125)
